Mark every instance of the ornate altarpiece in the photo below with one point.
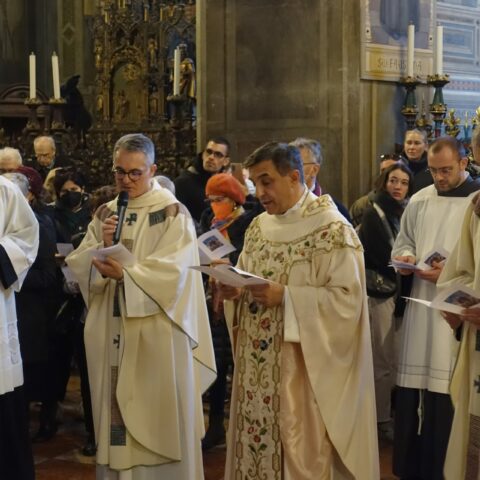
(133, 49)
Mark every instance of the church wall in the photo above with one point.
(292, 68)
(274, 70)
(21, 33)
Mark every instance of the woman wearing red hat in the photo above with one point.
(227, 214)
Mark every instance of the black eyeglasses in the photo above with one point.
(134, 175)
(218, 155)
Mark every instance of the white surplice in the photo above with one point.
(148, 344)
(427, 347)
(19, 239)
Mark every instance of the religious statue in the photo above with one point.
(188, 85)
(152, 52)
(154, 101)
(98, 55)
(121, 105)
(100, 106)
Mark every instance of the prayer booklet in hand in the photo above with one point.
(453, 299)
(212, 245)
(231, 276)
(118, 252)
(64, 249)
(438, 255)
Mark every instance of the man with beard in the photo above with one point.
(432, 219)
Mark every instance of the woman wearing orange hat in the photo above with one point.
(227, 214)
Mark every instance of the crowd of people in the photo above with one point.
(324, 355)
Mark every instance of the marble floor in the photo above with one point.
(61, 457)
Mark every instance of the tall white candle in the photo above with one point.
(439, 51)
(176, 72)
(32, 75)
(56, 76)
(410, 49)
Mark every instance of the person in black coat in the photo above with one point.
(190, 184)
(415, 156)
(227, 214)
(379, 228)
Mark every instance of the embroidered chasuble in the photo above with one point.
(303, 403)
(148, 344)
(463, 266)
(18, 250)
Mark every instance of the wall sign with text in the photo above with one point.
(384, 38)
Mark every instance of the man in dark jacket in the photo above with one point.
(190, 185)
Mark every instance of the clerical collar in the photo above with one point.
(468, 186)
(306, 191)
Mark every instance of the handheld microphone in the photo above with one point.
(122, 204)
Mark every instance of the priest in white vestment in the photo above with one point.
(18, 250)
(463, 267)
(147, 336)
(428, 348)
(303, 400)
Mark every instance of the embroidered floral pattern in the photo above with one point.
(258, 429)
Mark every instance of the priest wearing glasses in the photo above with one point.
(147, 337)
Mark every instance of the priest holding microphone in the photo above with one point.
(147, 336)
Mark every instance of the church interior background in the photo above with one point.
(252, 70)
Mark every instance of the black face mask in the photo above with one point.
(71, 199)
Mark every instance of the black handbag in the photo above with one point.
(379, 286)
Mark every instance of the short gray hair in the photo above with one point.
(20, 180)
(313, 146)
(136, 142)
(11, 153)
(46, 138)
(165, 182)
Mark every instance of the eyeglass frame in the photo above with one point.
(121, 174)
(218, 155)
(444, 171)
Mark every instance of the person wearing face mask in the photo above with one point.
(71, 214)
(227, 214)
(72, 209)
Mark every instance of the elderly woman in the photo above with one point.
(226, 214)
(10, 159)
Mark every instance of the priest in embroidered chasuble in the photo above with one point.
(18, 250)
(463, 267)
(303, 400)
(147, 336)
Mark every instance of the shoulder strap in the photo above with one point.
(383, 218)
